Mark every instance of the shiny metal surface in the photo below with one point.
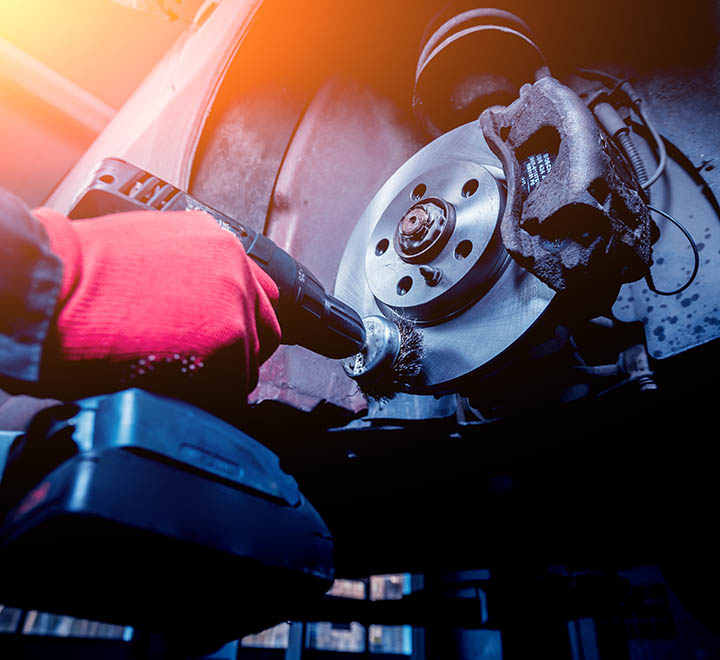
(507, 304)
(469, 261)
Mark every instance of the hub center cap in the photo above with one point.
(424, 230)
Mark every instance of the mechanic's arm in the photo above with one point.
(129, 295)
(30, 277)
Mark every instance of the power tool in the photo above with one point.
(308, 315)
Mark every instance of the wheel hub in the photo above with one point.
(428, 248)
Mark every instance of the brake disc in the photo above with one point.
(428, 248)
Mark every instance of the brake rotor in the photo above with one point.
(428, 248)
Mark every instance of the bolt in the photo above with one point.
(431, 275)
(423, 231)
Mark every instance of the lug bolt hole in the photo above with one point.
(470, 188)
(419, 191)
(382, 247)
(463, 249)
(404, 285)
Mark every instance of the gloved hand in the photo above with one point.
(153, 297)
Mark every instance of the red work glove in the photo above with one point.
(159, 297)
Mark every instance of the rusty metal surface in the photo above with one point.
(579, 225)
